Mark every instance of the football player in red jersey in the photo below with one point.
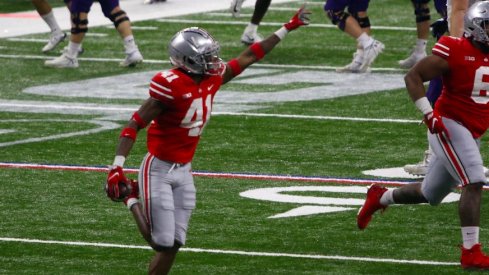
(457, 122)
(177, 110)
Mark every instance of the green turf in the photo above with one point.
(71, 205)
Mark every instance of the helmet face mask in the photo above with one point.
(476, 22)
(195, 51)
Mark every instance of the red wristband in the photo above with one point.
(139, 121)
(234, 65)
(257, 49)
(129, 132)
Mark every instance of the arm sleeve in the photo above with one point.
(160, 89)
(442, 47)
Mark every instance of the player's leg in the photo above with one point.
(122, 24)
(463, 157)
(335, 11)
(163, 261)
(46, 12)
(463, 160)
(250, 34)
(440, 179)
(157, 220)
(348, 22)
(422, 15)
(371, 47)
(235, 8)
(184, 195)
(79, 26)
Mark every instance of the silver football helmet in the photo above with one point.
(195, 51)
(476, 20)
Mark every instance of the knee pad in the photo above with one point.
(338, 18)
(159, 248)
(163, 240)
(118, 17)
(421, 10)
(79, 26)
(364, 22)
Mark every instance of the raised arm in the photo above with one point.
(258, 50)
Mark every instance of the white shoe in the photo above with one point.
(250, 38)
(355, 65)
(235, 7)
(63, 61)
(54, 40)
(421, 168)
(411, 60)
(370, 53)
(132, 59)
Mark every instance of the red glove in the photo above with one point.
(134, 191)
(301, 18)
(435, 124)
(116, 175)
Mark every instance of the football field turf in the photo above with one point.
(279, 170)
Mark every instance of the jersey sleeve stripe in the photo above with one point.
(160, 87)
(440, 52)
(442, 46)
(160, 93)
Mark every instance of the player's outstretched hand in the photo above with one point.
(435, 124)
(115, 176)
(300, 18)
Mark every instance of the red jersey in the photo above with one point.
(464, 97)
(174, 134)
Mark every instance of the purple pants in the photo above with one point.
(78, 6)
(354, 6)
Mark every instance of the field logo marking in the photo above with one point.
(316, 205)
(102, 126)
(316, 85)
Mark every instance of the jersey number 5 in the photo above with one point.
(194, 120)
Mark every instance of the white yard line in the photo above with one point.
(275, 24)
(155, 61)
(237, 252)
(4, 104)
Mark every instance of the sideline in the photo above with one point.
(29, 22)
(249, 176)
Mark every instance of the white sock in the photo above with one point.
(421, 46)
(251, 28)
(387, 198)
(365, 40)
(130, 44)
(73, 49)
(470, 236)
(51, 21)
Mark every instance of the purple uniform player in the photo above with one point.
(79, 10)
(351, 17)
